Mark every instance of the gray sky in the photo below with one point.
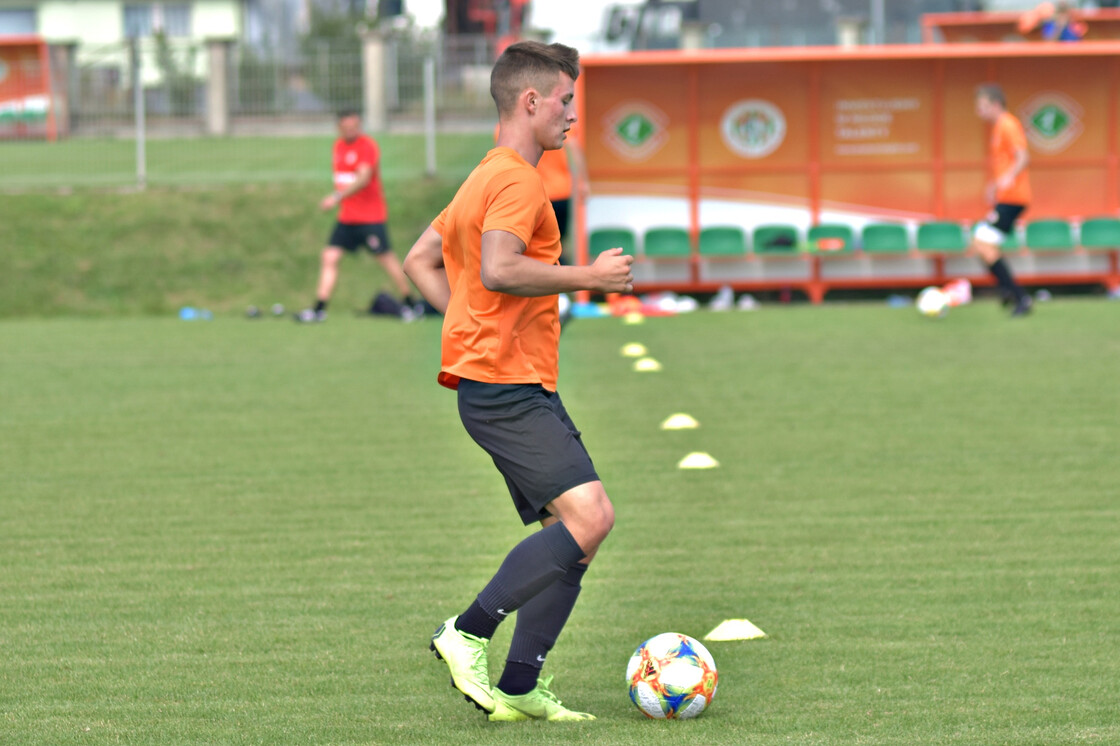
(568, 19)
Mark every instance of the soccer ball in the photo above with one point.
(932, 302)
(672, 676)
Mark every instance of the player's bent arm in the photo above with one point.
(506, 269)
(424, 266)
(1022, 158)
(363, 176)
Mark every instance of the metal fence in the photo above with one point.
(162, 110)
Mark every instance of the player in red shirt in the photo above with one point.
(362, 217)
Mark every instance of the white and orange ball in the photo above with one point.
(672, 676)
(932, 302)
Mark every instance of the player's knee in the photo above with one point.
(987, 252)
(607, 520)
(588, 514)
(589, 531)
(600, 521)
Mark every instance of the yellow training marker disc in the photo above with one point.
(647, 365)
(735, 629)
(698, 460)
(680, 422)
(634, 349)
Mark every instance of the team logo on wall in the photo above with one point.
(1052, 121)
(636, 129)
(753, 128)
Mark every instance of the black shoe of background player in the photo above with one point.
(1023, 307)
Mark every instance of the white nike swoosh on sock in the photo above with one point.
(503, 612)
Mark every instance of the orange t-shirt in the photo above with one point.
(489, 336)
(1007, 139)
(555, 174)
(554, 169)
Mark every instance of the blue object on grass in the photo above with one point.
(188, 313)
(899, 301)
(588, 311)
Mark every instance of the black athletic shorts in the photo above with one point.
(353, 236)
(1002, 219)
(563, 210)
(530, 437)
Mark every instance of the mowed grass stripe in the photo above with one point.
(244, 532)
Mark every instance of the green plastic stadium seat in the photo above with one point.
(723, 240)
(885, 238)
(775, 239)
(1049, 235)
(832, 231)
(941, 236)
(665, 242)
(602, 239)
(1101, 233)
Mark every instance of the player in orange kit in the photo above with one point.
(490, 262)
(1008, 191)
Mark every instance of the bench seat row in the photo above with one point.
(1102, 233)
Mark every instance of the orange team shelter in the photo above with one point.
(753, 139)
(25, 89)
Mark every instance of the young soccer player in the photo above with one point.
(1008, 191)
(362, 214)
(490, 262)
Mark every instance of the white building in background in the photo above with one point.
(98, 31)
(101, 22)
(266, 25)
(275, 25)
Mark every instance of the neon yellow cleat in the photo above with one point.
(539, 704)
(465, 655)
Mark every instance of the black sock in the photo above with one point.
(1002, 273)
(320, 305)
(475, 621)
(539, 623)
(409, 300)
(529, 568)
(519, 678)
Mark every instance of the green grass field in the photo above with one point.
(222, 246)
(101, 254)
(217, 160)
(243, 532)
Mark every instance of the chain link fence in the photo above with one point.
(162, 111)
